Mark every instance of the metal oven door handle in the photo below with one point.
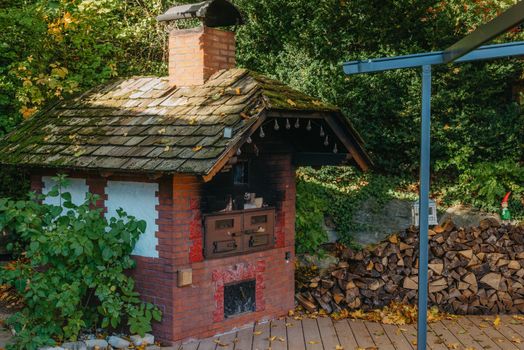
(257, 241)
(224, 246)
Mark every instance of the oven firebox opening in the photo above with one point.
(239, 298)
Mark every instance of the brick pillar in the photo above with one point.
(282, 178)
(196, 53)
(187, 219)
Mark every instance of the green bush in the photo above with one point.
(310, 209)
(485, 184)
(71, 271)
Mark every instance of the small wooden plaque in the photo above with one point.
(185, 277)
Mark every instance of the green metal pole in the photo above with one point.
(424, 208)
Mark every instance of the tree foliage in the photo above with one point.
(71, 269)
(50, 49)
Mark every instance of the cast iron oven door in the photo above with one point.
(223, 235)
(238, 232)
(259, 230)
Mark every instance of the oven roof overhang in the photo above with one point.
(143, 125)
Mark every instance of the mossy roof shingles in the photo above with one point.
(143, 124)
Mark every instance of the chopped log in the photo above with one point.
(492, 279)
(514, 265)
(306, 304)
(410, 283)
(437, 268)
(468, 253)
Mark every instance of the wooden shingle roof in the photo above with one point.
(143, 124)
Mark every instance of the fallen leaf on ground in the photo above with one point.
(313, 342)
(339, 347)
(281, 339)
(257, 332)
(496, 323)
(516, 340)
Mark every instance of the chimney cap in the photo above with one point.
(213, 13)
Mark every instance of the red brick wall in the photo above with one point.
(195, 54)
(197, 310)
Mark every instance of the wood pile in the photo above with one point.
(476, 270)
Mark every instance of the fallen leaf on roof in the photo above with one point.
(27, 112)
(244, 115)
(237, 91)
(316, 102)
(166, 148)
(162, 131)
(291, 102)
(197, 148)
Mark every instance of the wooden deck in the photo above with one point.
(464, 333)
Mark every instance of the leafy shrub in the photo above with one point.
(71, 271)
(484, 185)
(310, 208)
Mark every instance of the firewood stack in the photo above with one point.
(476, 270)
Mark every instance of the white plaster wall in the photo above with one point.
(77, 187)
(137, 199)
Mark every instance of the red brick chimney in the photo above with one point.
(196, 53)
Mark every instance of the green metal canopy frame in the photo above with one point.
(466, 50)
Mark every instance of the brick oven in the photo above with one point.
(207, 157)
